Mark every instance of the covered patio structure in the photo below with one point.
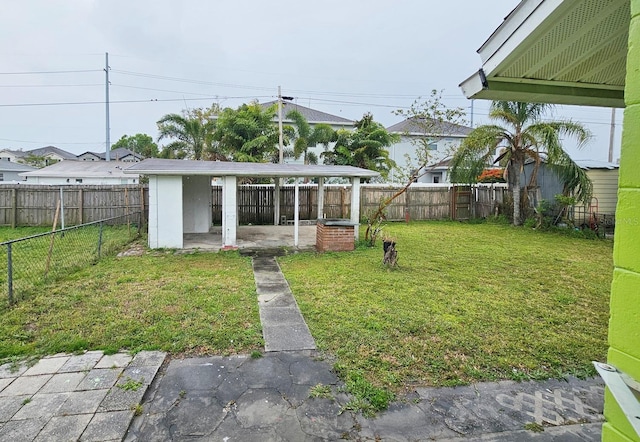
(180, 196)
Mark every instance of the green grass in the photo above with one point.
(43, 259)
(9, 233)
(468, 302)
(192, 304)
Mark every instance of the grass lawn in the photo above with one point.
(468, 302)
(194, 304)
(45, 258)
(9, 233)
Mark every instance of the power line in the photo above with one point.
(157, 90)
(186, 80)
(50, 72)
(52, 142)
(70, 103)
(50, 85)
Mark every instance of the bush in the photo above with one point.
(492, 176)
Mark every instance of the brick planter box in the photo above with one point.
(335, 235)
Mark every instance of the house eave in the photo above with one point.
(543, 53)
(478, 86)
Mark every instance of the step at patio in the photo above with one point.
(283, 326)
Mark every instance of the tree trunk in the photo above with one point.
(516, 168)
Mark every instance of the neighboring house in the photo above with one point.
(603, 176)
(120, 154)
(313, 117)
(9, 170)
(441, 144)
(82, 172)
(51, 154)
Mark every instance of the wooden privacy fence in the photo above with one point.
(35, 205)
(419, 202)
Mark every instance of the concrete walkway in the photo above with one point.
(283, 326)
(239, 398)
(86, 397)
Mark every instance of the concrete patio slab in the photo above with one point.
(65, 402)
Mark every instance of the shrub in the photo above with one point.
(492, 176)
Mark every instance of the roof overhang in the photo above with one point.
(556, 51)
(158, 166)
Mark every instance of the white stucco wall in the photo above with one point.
(196, 204)
(165, 212)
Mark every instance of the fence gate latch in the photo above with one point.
(624, 389)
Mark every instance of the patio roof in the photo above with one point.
(158, 166)
(556, 51)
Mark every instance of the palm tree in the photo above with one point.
(192, 133)
(365, 147)
(525, 136)
(307, 137)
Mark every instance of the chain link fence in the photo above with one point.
(38, 259)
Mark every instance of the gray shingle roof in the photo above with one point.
(114, 154)
(6, 166)
(312, 115)
(75, 168)
(43, 151)
(159, 166)
(413, 126)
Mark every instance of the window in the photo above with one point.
(78, 180)
(436, 179)
(432, 146)
(1, 176)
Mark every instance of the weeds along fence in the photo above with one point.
(38, 259)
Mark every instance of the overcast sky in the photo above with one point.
(343, 57)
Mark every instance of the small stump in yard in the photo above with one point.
(390, 253)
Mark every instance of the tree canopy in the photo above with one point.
(306, 136)
(142, 144)
(523, 136)
(191, 133)
(429, 121)
(363, 147)
(247, 133)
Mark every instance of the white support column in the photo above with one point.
(296, 213)
(320, 198)
(355, 206)
(229, 211)
(276, 202)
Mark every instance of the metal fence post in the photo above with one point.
(100, 240)
(10, 273)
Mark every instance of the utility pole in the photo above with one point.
(107, 154)
(280, 137)
(472, 113)
(612, 133)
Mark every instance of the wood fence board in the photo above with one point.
(34, 205)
